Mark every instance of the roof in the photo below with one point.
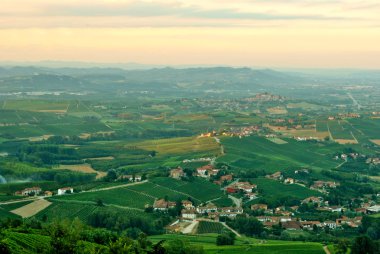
(291, 225)
(66, 188)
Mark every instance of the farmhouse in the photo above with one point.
(177, 173)
(373, 209)
(189, 214)
(289, 181)
(310, 224)
(208, 208)
(292, 225)
(48, 193)
(187, 204)
(226, 178)
(314, 200)
(207, 171)
(230, 212)
(66, 190)
(275, 176)
(34, 191)
(131, 178)
(352, 222)
(257, 207)
(245, 186)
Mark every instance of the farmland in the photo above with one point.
(259, 153)
(200, 189)
(207, 227)
(120, 197)
(247, 245)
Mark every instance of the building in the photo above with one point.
(289, 180)
(257, 207)
(207, 171)
(189, 214)
(177, 173)
(48, 193)
(275, 176)
(66, 190)
(160, 205)
(291, 225)
(187, 204)
(34, 191)
(208, 208)
(227, 178)
(373, 209)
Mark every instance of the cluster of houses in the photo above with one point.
(241, 131)
(131, 178)
(191, 212)
(206, 171)
(343, 116)
(37, 191)
(247, 188)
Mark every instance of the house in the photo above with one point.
(352, 222)
(310, 224)
(245, 186)
(250, 195)
(131, 178)
(66, 190)
(208, 208)
(291, 225)
(207, 171)
(230, 212)
(275, 176)
(289, 180)
(227, 178)
(34, 191)
(138, 178)
(187, 204)
(160, 205)
(373, 209)
(177, 173)
(257, 207)
(314, 200)
(189, 214)
(232, 190)
(330, 224)
(48, 193)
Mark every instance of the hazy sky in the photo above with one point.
(267, 33)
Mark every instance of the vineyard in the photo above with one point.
(157, 191)
(199, 189)
(66, 210)
(206, 227)
(121, 197)
(27, 243)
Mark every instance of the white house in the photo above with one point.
(189, 214)
(66, 190)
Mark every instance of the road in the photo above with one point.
(326, 250)
(237, 201)
(356, 103)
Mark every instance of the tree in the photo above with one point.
(342, 246)
(363, 245)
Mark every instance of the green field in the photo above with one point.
(82, 211)
(275, 190)
(121, 197)
(199, 189)
(260, 153)
(246, 245)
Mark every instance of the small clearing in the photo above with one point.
(31, 209)
(346, 141)
(84, 168)
(376, 141)
(277, 141)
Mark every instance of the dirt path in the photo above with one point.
(116, 187)
(237, 201)
(31, 209)
(19, 200)
(190, 229)
(326, 249)
(234, 231)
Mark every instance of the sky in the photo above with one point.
(264, 33)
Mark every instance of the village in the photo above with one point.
(243, 192)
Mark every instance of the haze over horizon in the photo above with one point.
(274, 33)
